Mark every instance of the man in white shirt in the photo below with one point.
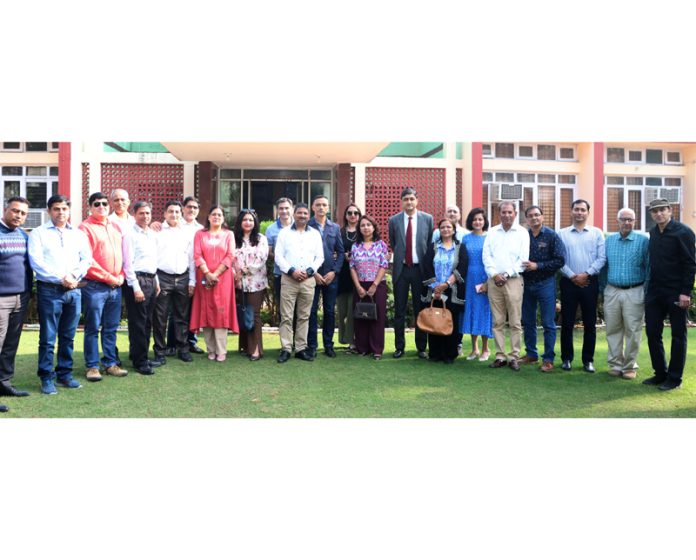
(192, 225)
(505, 249)
(120, 202)
(298, 253)
(177, 279)
(140, 267)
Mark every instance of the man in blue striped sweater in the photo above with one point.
(15, 288)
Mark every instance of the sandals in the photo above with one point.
(484, 357)
(475, 354)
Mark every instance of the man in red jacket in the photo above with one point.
(101, 297)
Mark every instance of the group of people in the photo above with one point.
(179, 277)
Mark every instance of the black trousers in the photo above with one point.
(14, 309)
(174, 290)
(571, 297)
(140, 319)
(409, 280)
(657, 307)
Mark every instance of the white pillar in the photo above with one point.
(189, 178)
(360, 186)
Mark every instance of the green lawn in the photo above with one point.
(350, 386)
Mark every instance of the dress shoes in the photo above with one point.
(311, 352)
(669, 384)
(398, 353)
(3, 408)
(283, 357)
(546, 367)
(154, 363)
(145, 369)
(654, 380)
(304, 355)
(514, 365)
(629, 374)
(193, 349)
(116, 371)
(588, 367)
(614, 372)
(566, 365)
(498, 363)
(170, 351)
(185, 357)
(160, 360)
(255, 358)
(422, 355)
(8, 390)
(330, 352)
(529, 360)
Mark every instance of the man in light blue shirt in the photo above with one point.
(584, 260)
(60, 255)
(624, 277)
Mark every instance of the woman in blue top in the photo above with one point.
(476, 319)
(444, 272)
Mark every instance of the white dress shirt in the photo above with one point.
(300, 250)
(504, 251)
(175, 251)
(414, 228)
(123, 223)
(139, 254)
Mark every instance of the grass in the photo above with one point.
(351, 386)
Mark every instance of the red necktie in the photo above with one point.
(409, 243)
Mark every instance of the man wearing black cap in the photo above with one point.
(672, 268)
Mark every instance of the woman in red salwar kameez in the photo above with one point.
(214, 307)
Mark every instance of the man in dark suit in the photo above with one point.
(410, 233)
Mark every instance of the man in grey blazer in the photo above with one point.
(410, 233)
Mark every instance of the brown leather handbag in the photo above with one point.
(435, 320)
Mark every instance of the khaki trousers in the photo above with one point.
(215, 340)
(623, 313)
(506, 305)
(295, 297)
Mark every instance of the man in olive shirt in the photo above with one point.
(672, 268)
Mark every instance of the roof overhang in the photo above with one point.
(276, 154)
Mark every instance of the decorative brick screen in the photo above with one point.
(154, 182)
(383, 186)
(85, 189)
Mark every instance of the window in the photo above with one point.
(17, 171)
(37, 146)
(11, 146)
(566, 153)
(673, 158)
(547, 201)
(487, 176)
(635, 204)
(525, 152)
(615, 180)
(546, 152)
(526, 177)
(653, 156)
(635, 156)
(505, 177)
(615, 155)
(505, 151)
(566, 179)
(546, 178)
(487, 150)
(614, 204)
(634, 180)
(53, 146)
(37, 183)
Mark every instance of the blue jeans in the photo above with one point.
(328, 295)
(59, 312)
(542, 294)
(102, 310)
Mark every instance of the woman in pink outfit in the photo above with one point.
(213, 308)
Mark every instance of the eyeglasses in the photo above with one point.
(249, 210)
(627, 219)
(120, 200)
(192, 207)
(100, 203)
(352, 213)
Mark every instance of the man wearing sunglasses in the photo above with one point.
(101, 297)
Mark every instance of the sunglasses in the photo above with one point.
(249, 210)
(352, 213)
(100, 203)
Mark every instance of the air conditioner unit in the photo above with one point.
(510, 192)
(34, 219)
(650, 194)
(671, 194)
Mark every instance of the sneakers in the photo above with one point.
(92, 374)
(69, 382)
(116, 371)
(47, 386)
